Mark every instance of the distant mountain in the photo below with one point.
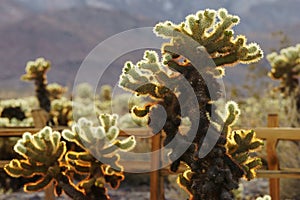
(64, 37)
(11, 12)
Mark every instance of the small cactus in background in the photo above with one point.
(105, 93)
(104, 103)
(266, 197)
(16, 112)
(286, 69)
(84, 102)
(56, 91)
(45, 156)
(217, 174)
(84, 91)
(36, 71)
(61, 111)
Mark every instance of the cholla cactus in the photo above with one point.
(213, 30)
(13, 108)
(44, 155)
(56, 91)
(61, 111)
(266, 197)
(105, 100)
(101, 142)
(215, 175)
(36, 71)
(105, 93)
(286, 68)
(16, 112)
(240, 144)
(84, 91)
(4, 122)
(84, 102)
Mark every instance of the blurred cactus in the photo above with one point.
(84, 102)
(61, 111)
(84, 91)
(4, 122)
(16, 112)
(266, 197)
(45, 156)
(36, 71)
(286, 69)
(105, 100)
(87, 105)
(56, 91)
(105, 93)
(13, 112)
(217, 174)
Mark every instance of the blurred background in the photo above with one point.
(64, 32)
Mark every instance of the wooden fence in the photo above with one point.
(272, 134)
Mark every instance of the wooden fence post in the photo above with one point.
(40, 118)
(156, 179)
(273, 163)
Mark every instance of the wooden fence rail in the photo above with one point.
(271, 135)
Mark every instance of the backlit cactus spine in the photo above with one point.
(44, 155)
(36, 71)
(61, 112)
(100, 161)
(240, 144)
(217, 174)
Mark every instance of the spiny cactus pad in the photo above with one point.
(36, 68)
(147, 77)
(213, 30)
(100, 142)
(45, 155)
(240, 144)
(41, 154)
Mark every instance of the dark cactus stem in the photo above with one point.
(95, 192)
(64, 183)
(215, 175)
(42, 93)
